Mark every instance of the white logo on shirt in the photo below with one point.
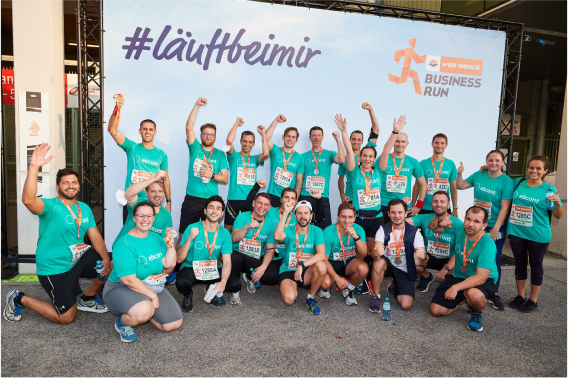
(150, 162)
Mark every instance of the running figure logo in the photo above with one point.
(409, 55)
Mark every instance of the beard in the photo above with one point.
(66, 196)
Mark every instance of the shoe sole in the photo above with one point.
(527, 312)
(375, 311)
(498, 308)
(312, 313)
(474, 330)
(425, 290)
(351, 303)
(8, 319)
(235, 303)
(5, 312)
(89, 309)
(123, 340)
(325, 297)
(188, 311)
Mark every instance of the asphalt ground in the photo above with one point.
(263, 337)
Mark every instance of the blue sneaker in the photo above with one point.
(95, 305)
(12, 311)
(390, 288)
(313, 306)
(127, 334)
(171, 278)
(475, 323)
(424, 283)
(375, 305)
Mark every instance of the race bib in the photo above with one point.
(435, 185)
(522, 215)
(251, 248)
(293, 261)
(78, 250)
(206, 270)
(438, 249)
(393, 247)
(396, 184)
(283, 178)
(197, 164)
(315, 183)
(343, 256)
(485, 205)
(138, 176)
(246, 176)
(369, 201)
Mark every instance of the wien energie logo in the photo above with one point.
(437, 63)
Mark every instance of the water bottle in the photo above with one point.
(99, 268)
(221, 299)
(359, 289)
(549, 204)
(256, 284)
(386, 310)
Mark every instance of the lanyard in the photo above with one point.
(397, 241)
(243, 159)
(298, 250)
(287, 220)
(466, 255)
(437, 234)
(286, 161)
(73, 215)
(397, 170)
(255, 235)
(316, 161)
(341, 240)
(367, 181)
(211, 153)
(210, 248)
(436, 173)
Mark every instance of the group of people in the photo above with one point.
(386, 227)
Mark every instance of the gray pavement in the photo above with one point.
(265, 338)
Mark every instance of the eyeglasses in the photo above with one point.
(144, 216)
(208, 135)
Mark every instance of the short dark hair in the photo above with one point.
(215, 199)
(315, 128)
(440, 135)
(288, 129)
(143, 203)
(542, 158)
(263, 195)
(357, 132)
(148, 120)
(288, 189)
(346, 206)
(441, 192)
(396, 201)
(65, 172)
(476, 210)
(208, 125)
(247, 132)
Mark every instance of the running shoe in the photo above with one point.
(495, 300)
(187, 303)
(94, 305)
(313, 306)
(235, 298)
(475, 323)
(424, 283)
(528, 306)
(250, 284)
(127, 334)
(12, 311)
(516, 302)
(375, 305)
(350, 299)
(390, 288)
(345, 292)
(325, 293)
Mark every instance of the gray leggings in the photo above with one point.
(120, 299)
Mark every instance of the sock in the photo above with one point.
(310, 296)
(119, 323)
(18, 299)
(350, 286)
(87, 298)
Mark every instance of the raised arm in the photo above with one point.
(265, 150)
(113, 121)
(350, 156)
(396, 127)
(29, 193)
(232, 133)
(189, 132)
(340, 157)
(131, 193)
(279, 234)
(182, 250)
(270, 130)
(374, 123)
(461, 184)
(169, 261)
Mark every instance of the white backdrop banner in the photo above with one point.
(256, 60)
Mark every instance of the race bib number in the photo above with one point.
(315, 183)
(78, 250)
(206, 270)
(369, 201)
(251, 248)
(246, 176)
(391, 251)
(396, 184)
(138, 176)
(197, 164)
(438, 249)
(283, 178)
(485, 205)
(293, 262)
(522, 215)
(435, 185)
(343, 256)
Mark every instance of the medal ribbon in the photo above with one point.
(436, 173)
(254, 236)
(245, 169)
(367, 181)
(316, 161)
(341, 239)
(286, 161)
(397, 170)
(397, 241)
(466, 255)
(298, 250)
(211, 153)
(210, 248)
(74, 216)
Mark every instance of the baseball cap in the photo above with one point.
(303, 203)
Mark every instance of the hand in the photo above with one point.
(253, 224)
(258, 273)
(455, 212)
(280, 118)
(288, 207)
(441, 276)
(413, 211)
(345, 198)
(119, 100)
(261, 129)
(483, 168)
(446, 223)
(315, 194)
(38, 157)
(398, 125)
(239, 122)
(407, 200)
(494, 233)
(420, 253)
(340, 282)
(193, 233)
(451, 293)
(367, 106)
(201, 101)
(298, 274)
(160, 175)
(261, 183)
(107, 267)
(155, 301)
(220, 286)
(335, 135)
(460, 168)
(341, 122)
(205, 172)
(351, 231)
(556, 198)
(377, 252)
(169, 240)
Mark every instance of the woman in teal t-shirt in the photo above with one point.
(493, 191)
(134, 291)
(529, 230)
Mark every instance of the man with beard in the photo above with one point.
(475, 269)
(253, 249)
(243, 168)
(62, 257)
(346, 246)
(303, 263)
(143, 159)
(441, 245)
(200, 248)
(398, 247)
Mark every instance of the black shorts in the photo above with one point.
(290, 276)
(402, 284)
(435, 263)
(370, 226)
(339, 266)
(64, 288)
(234, 208)
(488, 289)
(191, 211)
(326, 221)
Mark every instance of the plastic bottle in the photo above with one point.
(211, 292)
(549, 204)
(221, 299)
(99, 268)
(257, 284)
(359, 289)
(386, 310)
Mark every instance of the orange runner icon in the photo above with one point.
(409, 55)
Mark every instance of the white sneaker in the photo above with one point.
(345, 292)
(325, 294)
(235, 298)
(350, 299)
(250, 284)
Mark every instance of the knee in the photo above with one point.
(363, 269)
(474, 296)
(437, 310)
(378, 265)
(406, 304)
(67, 318)
(288, 300)
(320, 267)
(143, 312)
(327, 282)
(172, 326)
(234, 285)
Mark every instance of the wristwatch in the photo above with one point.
(447, 268)
(358, 238)
(212, 176)
(301, 263)
(168, 200)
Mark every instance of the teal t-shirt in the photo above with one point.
(399, 187)
(317, 181)
(254, 247)
(489, 192)
(162, 221)
(360, 199)
(140, 256)
(58, 233)
(449, 173)
(333, 246)
(195, 185)
(440, 246)
(198, 248)
(142, 163)
(241, 181)
(342, 171)
(482, 256)
(529, 218)
(274, 215)
(315, 238)
(281, 178)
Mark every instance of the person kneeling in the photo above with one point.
(141, 262)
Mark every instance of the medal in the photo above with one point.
(316, 171)
(398, 261)
(464, 269)
(397, 244)
(298, 250)
(316, 161)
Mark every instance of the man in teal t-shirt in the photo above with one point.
(207, 168)
(62, 256)
(475, 269)
(243, 169)
(143, 159)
